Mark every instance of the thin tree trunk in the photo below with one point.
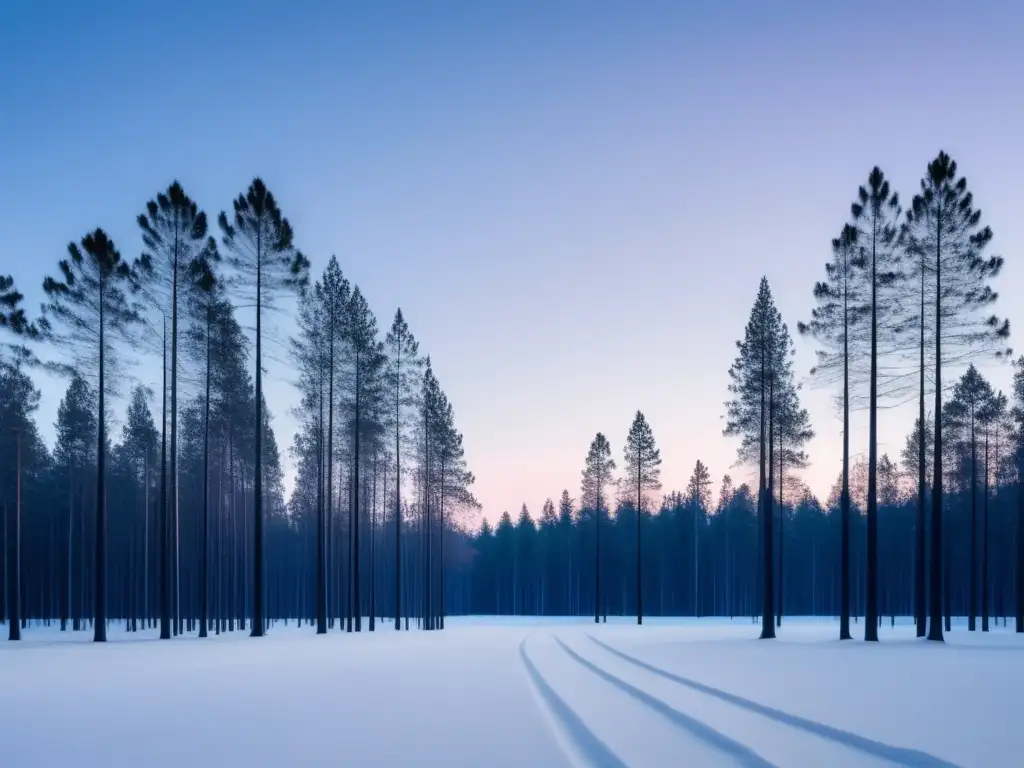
(440, 557)
(356, 596)
(373, 570)
(321, 543)
(330, 421)
(145, 540)
(257, 531)
(398, 492)
(349, 601)
(984, 546)
(871, 602)
(100, 599)
(765, 503)
(71, 540)
(427, 580)
(844, 503)
(204, 612)
(935, 625)
(14, 583)
(769, 558)
(165, 581)
(696, 565)
(972, 582)
(782, 520)
(597, 559)
(174, 438)
(639, 514)
(919, 552)
(1019, 607)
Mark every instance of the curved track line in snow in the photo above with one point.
(743, 754)
(911, 758)
(589, 746)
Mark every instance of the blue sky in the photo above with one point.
(572, 202)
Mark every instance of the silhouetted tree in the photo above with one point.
(138, 448)
(367, 365)
(965, 417)
(404, 367)
(698, 496)
(259, 247)
(19, 399)
(760, 359)
(565, 538)
(642, 465)
(311, 350)
(833, 322)
(174, 232)
(597, 474)
(453, 483)
(334, 300)
(91, 307)
(13, 320)
(206, 303)
(876, 215)
(944, 230)
(75, 453)
(793, 432)
(993, 420)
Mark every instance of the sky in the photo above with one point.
(573, 203)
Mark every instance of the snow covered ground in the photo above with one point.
(515, 692)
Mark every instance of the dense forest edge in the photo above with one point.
(167, 508)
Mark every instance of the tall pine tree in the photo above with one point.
(174, 232)
(90, 304)
(404, 367)
(944, 232)
(698, 497)
(642, 466)
(261, 252)
(367, 366)
(836, 322)
(876, 215)
(597, 474)
(759, 362)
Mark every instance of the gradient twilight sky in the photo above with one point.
(572, 202)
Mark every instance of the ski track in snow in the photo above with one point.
(740, 753)
(582, 736)
(567, 723)
(910, 758)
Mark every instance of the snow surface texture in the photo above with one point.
(515, 692)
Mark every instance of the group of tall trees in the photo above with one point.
(642, 467)
(911, 290)
(765, 413)
(373, 414)
(185, 523)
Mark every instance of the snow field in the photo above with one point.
(515, 692)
